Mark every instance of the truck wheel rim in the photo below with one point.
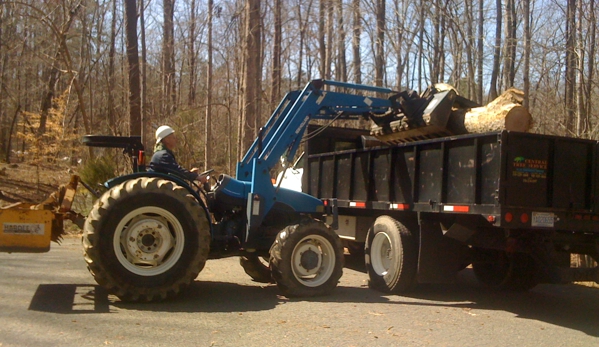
(381, 253)
(313, 260)
(148, 241)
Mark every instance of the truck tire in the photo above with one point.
(146, 240)
(500, 271)
(306, 259)
(256, 268)
(391, 256)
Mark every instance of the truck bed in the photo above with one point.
(514, 180)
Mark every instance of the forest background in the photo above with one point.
(216, 69)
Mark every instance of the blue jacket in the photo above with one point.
(164, 161)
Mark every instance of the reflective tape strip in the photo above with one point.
(399, 206)
(357, 204)
(450, 208)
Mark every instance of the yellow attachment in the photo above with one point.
(25, 230)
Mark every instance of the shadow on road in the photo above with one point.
(70, 299)
(570, 306)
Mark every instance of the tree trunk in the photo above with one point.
(330, 31)
(379, 58)
(496, 53)
(356, 33)
(275, 92)
(168, 58)
(111, 71)
(133, 63)
(191, 96)
(252, 80)
(420, 44)
(509, 64)
(480, 52)
(146, 128)
(341, 67)
(322, 48)
(592, 58)
(570, 72)
(470, 47)
(435, 64)
(526, 73)
(582, 124)
(208, 146)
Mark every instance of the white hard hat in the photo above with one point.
(163, 131)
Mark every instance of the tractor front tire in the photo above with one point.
(146, 240)
(306, 259)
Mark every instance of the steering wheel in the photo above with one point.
(205, 187)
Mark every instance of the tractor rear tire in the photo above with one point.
(146, 240)
(391, 256)
(256, 268)
(306, 259)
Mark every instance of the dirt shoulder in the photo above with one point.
(28, 183)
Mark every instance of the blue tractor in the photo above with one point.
(149, 235)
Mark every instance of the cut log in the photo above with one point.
(504, 113)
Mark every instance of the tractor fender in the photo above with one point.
(120, 179)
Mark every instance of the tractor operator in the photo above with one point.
(164, 160)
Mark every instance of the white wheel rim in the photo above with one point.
(148, 241)
(313, 260)
(381, 253)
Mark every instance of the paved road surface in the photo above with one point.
(51, 300)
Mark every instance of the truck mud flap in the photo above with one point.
(440, 257)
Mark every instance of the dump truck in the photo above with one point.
(425, 202)
(513, 205)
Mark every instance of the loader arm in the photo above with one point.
(281, 136)
(285, 128)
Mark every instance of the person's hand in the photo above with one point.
(202, 178)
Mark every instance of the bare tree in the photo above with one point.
(341, 65)
(252, 81)
(356, 33)
(480, 52)
(168, 57)
(496, 52)
(379, 55)
(322, 47)
(208, 141)
(133, 62)
(146, 127)
(275, 93)
(111, 69)
(511, 42)
(592, 59)
(570, 72)
(526, 71)
(191, 96)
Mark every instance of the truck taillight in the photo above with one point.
(524, 218)
(508, 217)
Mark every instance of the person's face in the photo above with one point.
(170, 141)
